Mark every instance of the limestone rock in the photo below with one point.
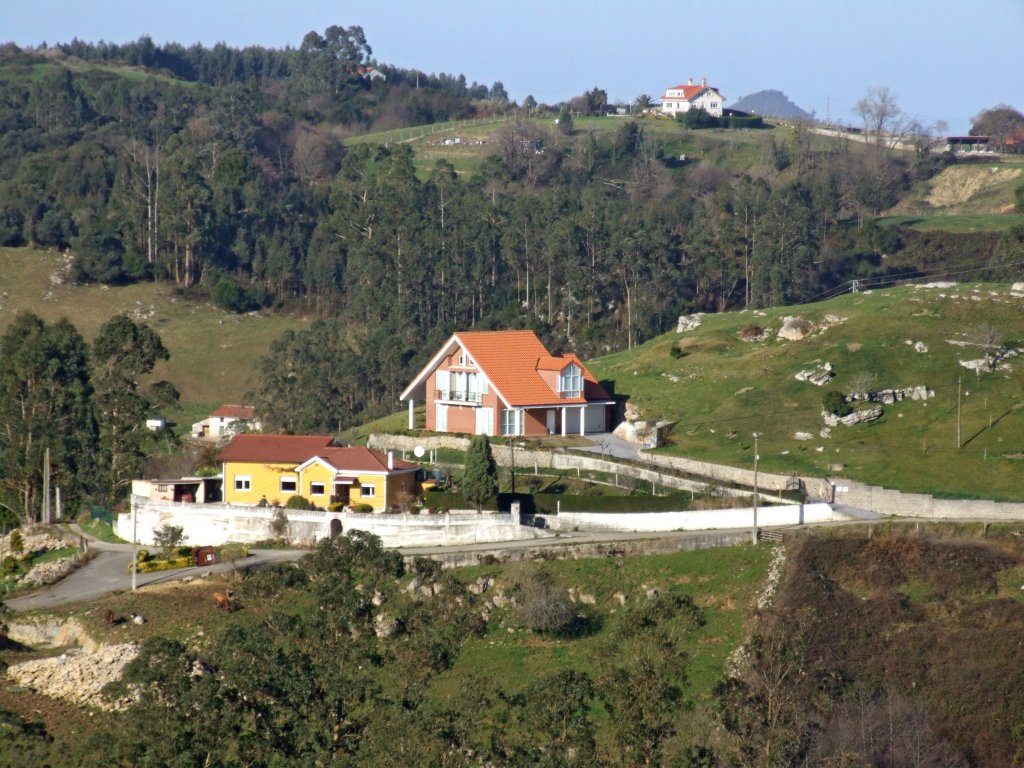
(819, 376)
(803, 436)
(689, 322)
(619, 598)
(795, 329)
(1017, 290)
(385, 626)
(76, 676)
(855, 417)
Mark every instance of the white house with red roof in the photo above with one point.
(507, 383)
(226, 420)
(683, 98)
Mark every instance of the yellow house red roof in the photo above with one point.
(277, 449)
(512, 362)
(359, 459)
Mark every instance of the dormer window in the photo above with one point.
(570, 382)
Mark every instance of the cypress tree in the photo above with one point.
(480, 481)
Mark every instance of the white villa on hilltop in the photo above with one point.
(683, 98)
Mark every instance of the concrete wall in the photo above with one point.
(437, 530)
(695, 520)
(888, 502)
(216, 524)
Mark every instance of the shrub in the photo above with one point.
(675, 352)
(295, 502)
(279, 523)
(142, 555)
(362, 507)
(752, 333)
(9, 565)
(17, 543)
(543, 605)
(168, 537)
(833, 402)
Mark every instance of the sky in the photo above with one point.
(943, 59)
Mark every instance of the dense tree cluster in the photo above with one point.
(85, 406)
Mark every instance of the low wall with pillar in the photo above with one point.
(217, 524)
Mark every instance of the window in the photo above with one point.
(367, 490)
(243, 483)
(289, 484)
(509, 422)
(316, 489)
(570, 383)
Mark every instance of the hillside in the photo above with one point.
(721, 389)
(213, 352)
(968, 197)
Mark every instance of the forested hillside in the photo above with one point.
(225, 174)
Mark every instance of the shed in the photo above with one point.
(206, 556)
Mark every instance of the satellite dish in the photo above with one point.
(419, 450)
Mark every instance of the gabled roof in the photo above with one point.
(276, 449)
(512, 362)
(358, 459)
(690, 92)
(235, 412)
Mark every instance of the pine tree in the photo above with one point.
(480, 481)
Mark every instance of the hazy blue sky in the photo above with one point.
(944, 59)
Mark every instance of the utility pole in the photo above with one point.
(135, 542)
(754, 531)
(959, 386)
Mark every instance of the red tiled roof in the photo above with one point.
(359, 459)
(278, 449)
(235, 412)
(690, 92)
(511, 361)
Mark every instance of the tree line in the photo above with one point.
(83, 404)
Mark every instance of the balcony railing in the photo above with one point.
(459, 396)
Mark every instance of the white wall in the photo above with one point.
(216, 524)
(697, 520)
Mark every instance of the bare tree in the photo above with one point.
(884, 119)
(1001, 122)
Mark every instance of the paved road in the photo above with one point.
(108, 572)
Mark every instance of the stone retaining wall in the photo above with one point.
(570, 551)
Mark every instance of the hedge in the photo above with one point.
(549, 503)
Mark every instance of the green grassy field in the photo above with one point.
(213, 352)
(724, 389)
(991, 222)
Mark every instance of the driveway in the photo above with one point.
(610, 444)
(108, 572)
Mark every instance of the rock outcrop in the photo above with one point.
(77, 676)
(854, 417)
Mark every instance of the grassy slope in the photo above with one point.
(213, 353)
(727, 389)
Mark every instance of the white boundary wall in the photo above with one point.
(698, 520)
(216, 524)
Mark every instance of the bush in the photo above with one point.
(362, 507)
(163, 565)
(835, 403)
(9, 565)
(142, 555)
(543, 605)
(675, 352)
(17, 543)
(297, 502)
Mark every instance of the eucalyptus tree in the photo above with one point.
(45, 406)
(123, 354)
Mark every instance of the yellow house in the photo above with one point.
(276, 467)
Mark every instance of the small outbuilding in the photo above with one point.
(206, 556)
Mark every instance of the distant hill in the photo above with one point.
(770, 104)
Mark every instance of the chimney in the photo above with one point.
(689, 81)
(391, 460)
(704, 82)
